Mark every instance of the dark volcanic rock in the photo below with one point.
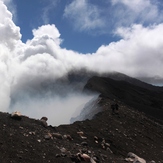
(16, 115)
(144, 97)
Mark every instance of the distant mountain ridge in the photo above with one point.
(140, 95)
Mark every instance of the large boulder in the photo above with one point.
(131, 157)
(16, 115)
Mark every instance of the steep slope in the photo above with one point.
(144, 97)
(106, 138)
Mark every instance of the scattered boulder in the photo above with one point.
(81, 134)
(63, 150)
(57, 135)
(83, 137)
(84, 157)
(31, 133)
(48, 136)
(43, 121)
(131, 157)
(106, 146)
(95, 138)
(39, 140)
(92, 160)
(95, 159)
(84, 143)
(16, 115)
(57, 155)
(68, 137)
(44, 118)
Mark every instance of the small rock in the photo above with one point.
(81, 133)
(32, 133)
(57, 135)
(68, 137)
(84, 150)
(44, 118)
(107, 144)
(84, 143)
(26, 135)
(47, 137)
(89, 152)
(92, 160)
(44, 123)
(83, 137)
(134, 158)
(63, 155)
(109, 150)
(95, 138)
(84, 157)
(96, 159)
(63, 150)
(16, 115)
(57, 155)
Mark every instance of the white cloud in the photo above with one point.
(141, 11)
(49, 31)
(12, 7)
(84, 15)
(10, 33)
(51, 5)
(4, 78)
(138, 53)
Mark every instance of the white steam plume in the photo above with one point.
(59, 110)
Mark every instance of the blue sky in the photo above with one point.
(84, 25)
(32, 14)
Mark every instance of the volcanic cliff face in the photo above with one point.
(142, 96)
(135, 127)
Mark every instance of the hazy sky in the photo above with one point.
(45, 39)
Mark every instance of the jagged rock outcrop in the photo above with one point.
(142, 96)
